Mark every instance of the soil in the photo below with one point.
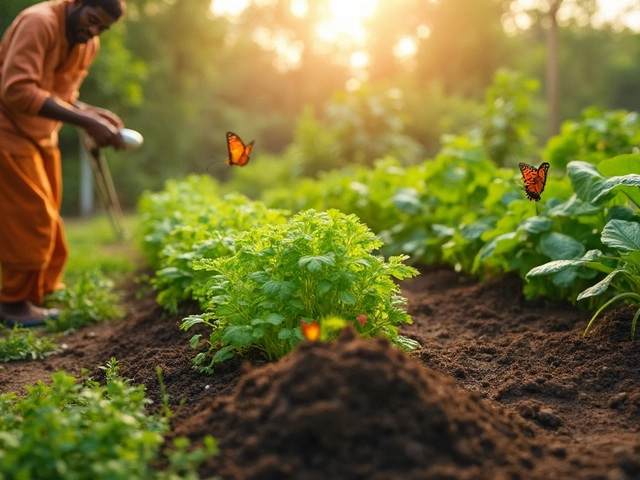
(502, 388)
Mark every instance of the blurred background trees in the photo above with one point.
(320, 84)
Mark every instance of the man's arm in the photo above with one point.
(22, 71)
(102, 131)
(108, 115)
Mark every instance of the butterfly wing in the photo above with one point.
(244, 159)
(235, 147)
(535, 179)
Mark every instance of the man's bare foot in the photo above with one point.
(25, 313)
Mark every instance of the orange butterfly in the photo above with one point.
(534, 179)
(238, 151)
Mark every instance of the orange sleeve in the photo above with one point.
(24, 63)
(92, 56)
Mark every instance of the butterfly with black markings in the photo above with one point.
(535, 179)
(238, 151)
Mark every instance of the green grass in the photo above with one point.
(93, 245)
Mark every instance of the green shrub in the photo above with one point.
(84, 431)
(316, 266)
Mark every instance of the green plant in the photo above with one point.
(180, 202)
(317, 265)
(621, 264)
(90, 299)
(211, 236)
(612, 185)
(506, 123)
(82, 431)
(595, 137)
(20, 343)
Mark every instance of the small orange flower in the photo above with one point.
(362, 319)
(311, 331)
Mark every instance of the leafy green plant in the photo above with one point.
(90, 299)
(20, 343)
(179, 203)
(212, 236)
(621, 264)
(76, 431)
(316, 266)
(595, 137)
(506, 122)
(611, 186)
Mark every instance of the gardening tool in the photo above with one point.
(102, 176)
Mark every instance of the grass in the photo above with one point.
(93, 245)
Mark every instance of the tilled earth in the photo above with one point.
(502, 388)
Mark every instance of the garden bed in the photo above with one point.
(524, 394)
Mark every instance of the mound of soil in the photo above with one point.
(359, 409)
(497, 376)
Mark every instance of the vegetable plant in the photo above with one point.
(20, 343)
(621, 264)
(90, 299)
(212, 236)
(316, 266)
(69, 430)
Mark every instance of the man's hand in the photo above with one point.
(102, 125)
(108, 115)
(104, 133)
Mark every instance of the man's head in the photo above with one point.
(89, 18)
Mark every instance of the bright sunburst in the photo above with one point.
(348, 16)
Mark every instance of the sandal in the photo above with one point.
(35, 317)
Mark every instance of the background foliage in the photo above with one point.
(183, 76)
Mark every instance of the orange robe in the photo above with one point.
(35, 64)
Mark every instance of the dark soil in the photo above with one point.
(502, 388)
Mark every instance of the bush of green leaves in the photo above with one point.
(83, 431)
(20, 343)
(614, 187)
(597, 136)
(90, 299)
(317, 265)
(211, 236)
(179, 203)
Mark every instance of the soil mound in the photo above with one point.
(357, 409)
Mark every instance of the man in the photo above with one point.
(44, 56)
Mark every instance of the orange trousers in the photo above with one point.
(33, 249)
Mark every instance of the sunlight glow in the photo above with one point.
(359, 60)
(405, 48)
(289, 52)
(347, 17)
(229, 7)
(299, 8)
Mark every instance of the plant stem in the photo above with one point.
(617, 297)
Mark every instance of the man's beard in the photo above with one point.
(78, 36)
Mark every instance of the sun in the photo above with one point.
(348, 16)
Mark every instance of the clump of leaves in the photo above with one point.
(176, 204)
(316, 266)
(613, 183)
(20, 343)
(77, 431)
(622, 266)
(90, 299)
(211, 236)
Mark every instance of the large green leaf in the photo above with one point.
(620, 165)
(592, 187)
(601, 286)
(622, 235)
(574, 207)
(536, 225)
(558, 265)
(500, 243)
(559, 246)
